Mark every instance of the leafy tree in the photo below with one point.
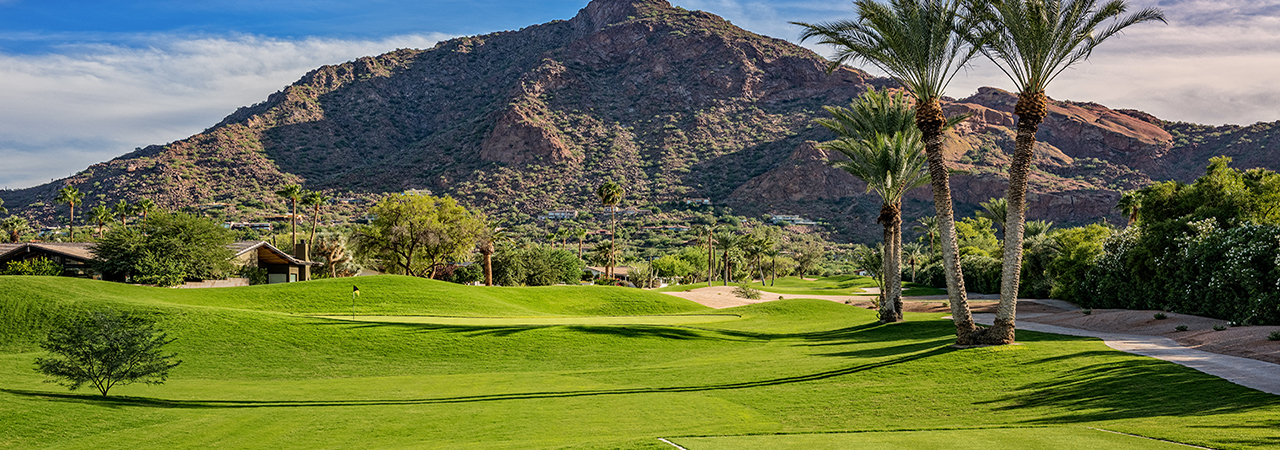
(1078, 248)
(809, 255)
(106, 349)
(610, 194)
(3, 210)
(15, 227)
(1034, 41)
(72, 197)
(871, 261)
(332, 249)
(294, 194)
(921, 44)
(977, 236)
(416, 235)
(166, 250)
(878, 135)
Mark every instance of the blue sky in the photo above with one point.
(86, 81)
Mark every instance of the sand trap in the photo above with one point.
(543, 321)
(721, 297)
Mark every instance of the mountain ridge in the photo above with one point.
(676, 103)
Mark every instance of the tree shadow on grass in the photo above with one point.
(1132, 388)
(216, 404)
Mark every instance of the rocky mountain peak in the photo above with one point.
(601, 13)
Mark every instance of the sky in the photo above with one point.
(85, 81)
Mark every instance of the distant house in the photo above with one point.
(562, 214)
(619, 272)
(667, 228)
(791, 219)
(417, 192)
(625, 212)
(75, 257)
(698, 201)
(284, 217)
(259, 226)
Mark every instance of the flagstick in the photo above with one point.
(353, 305)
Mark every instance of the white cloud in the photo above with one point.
(1215, 62)
(90, 103)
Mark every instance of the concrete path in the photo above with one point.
(1250, 373)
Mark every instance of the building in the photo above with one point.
(562, 214)
(417, 192)
(74, 257)
(698, 201)
(794, 220)
(619, 272)
(259, 226)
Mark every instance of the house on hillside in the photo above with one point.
(561, 214)
(619, 272)
(74, 257)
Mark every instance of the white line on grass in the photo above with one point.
(1150, 438)
(673, 444)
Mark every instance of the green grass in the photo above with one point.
(983, 439)
(258, 372)
(837, 285)
(542, 321)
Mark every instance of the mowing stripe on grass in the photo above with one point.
(1151, 438)
(543, 321)
(1038, 438)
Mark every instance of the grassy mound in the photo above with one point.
(253, 377)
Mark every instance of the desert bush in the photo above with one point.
(34, 266)
(1161, 316)
(1180, 328)
(744, 291)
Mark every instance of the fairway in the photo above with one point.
(1012, 438)
(544, 321)
(428, 364)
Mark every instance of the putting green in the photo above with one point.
(544, 321)
(984, 439)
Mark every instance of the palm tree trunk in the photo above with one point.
(613, 241)
(72, 222)
(710, 259)
(293, 223)
(931, 122)
(1032, 108)
(888, 303)
(724, 261)
(315, 221)
(896, 281)
(488, 268)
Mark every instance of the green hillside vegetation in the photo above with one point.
(257, 373)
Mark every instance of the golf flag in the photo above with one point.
(355, 291)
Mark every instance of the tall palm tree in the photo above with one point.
(914, 252)
(1130, 203)
(72, 197)
(294, 194)
(1034, 41)
(14, 226)
(922, 44)
(100, 215)
(929, 227)
(314, 199)
(487, 242)
(124, 210)
(610, 194)
(878, 135)
(708, 231)
(726, 242)
(145, 206)
(581, 234)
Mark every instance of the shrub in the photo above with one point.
(35, 266)
(743, 291)
(1161, 316)
(1274, 336)
(1181, 328)
(1086, 311)
(1219, 327)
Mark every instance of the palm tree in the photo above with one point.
(878, 135)
(294, 194)
(487, 242)
(709, 231)
(996, 210)
(15, 226)
(315, 200)
(914, 252)
(72, 197)
(1034, 41)
(724, 243)
(145, 206)
(922, 44)
(928, 227)
(1037, 228)
(581, 233)
(1130, 203)
(610, 194)
(123, 210)
(100, 215)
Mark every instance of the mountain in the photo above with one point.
(675, 103)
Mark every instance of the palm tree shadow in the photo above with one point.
(147, 402)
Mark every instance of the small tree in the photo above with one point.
(416, 235)
(165, 250)
(105, 349)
